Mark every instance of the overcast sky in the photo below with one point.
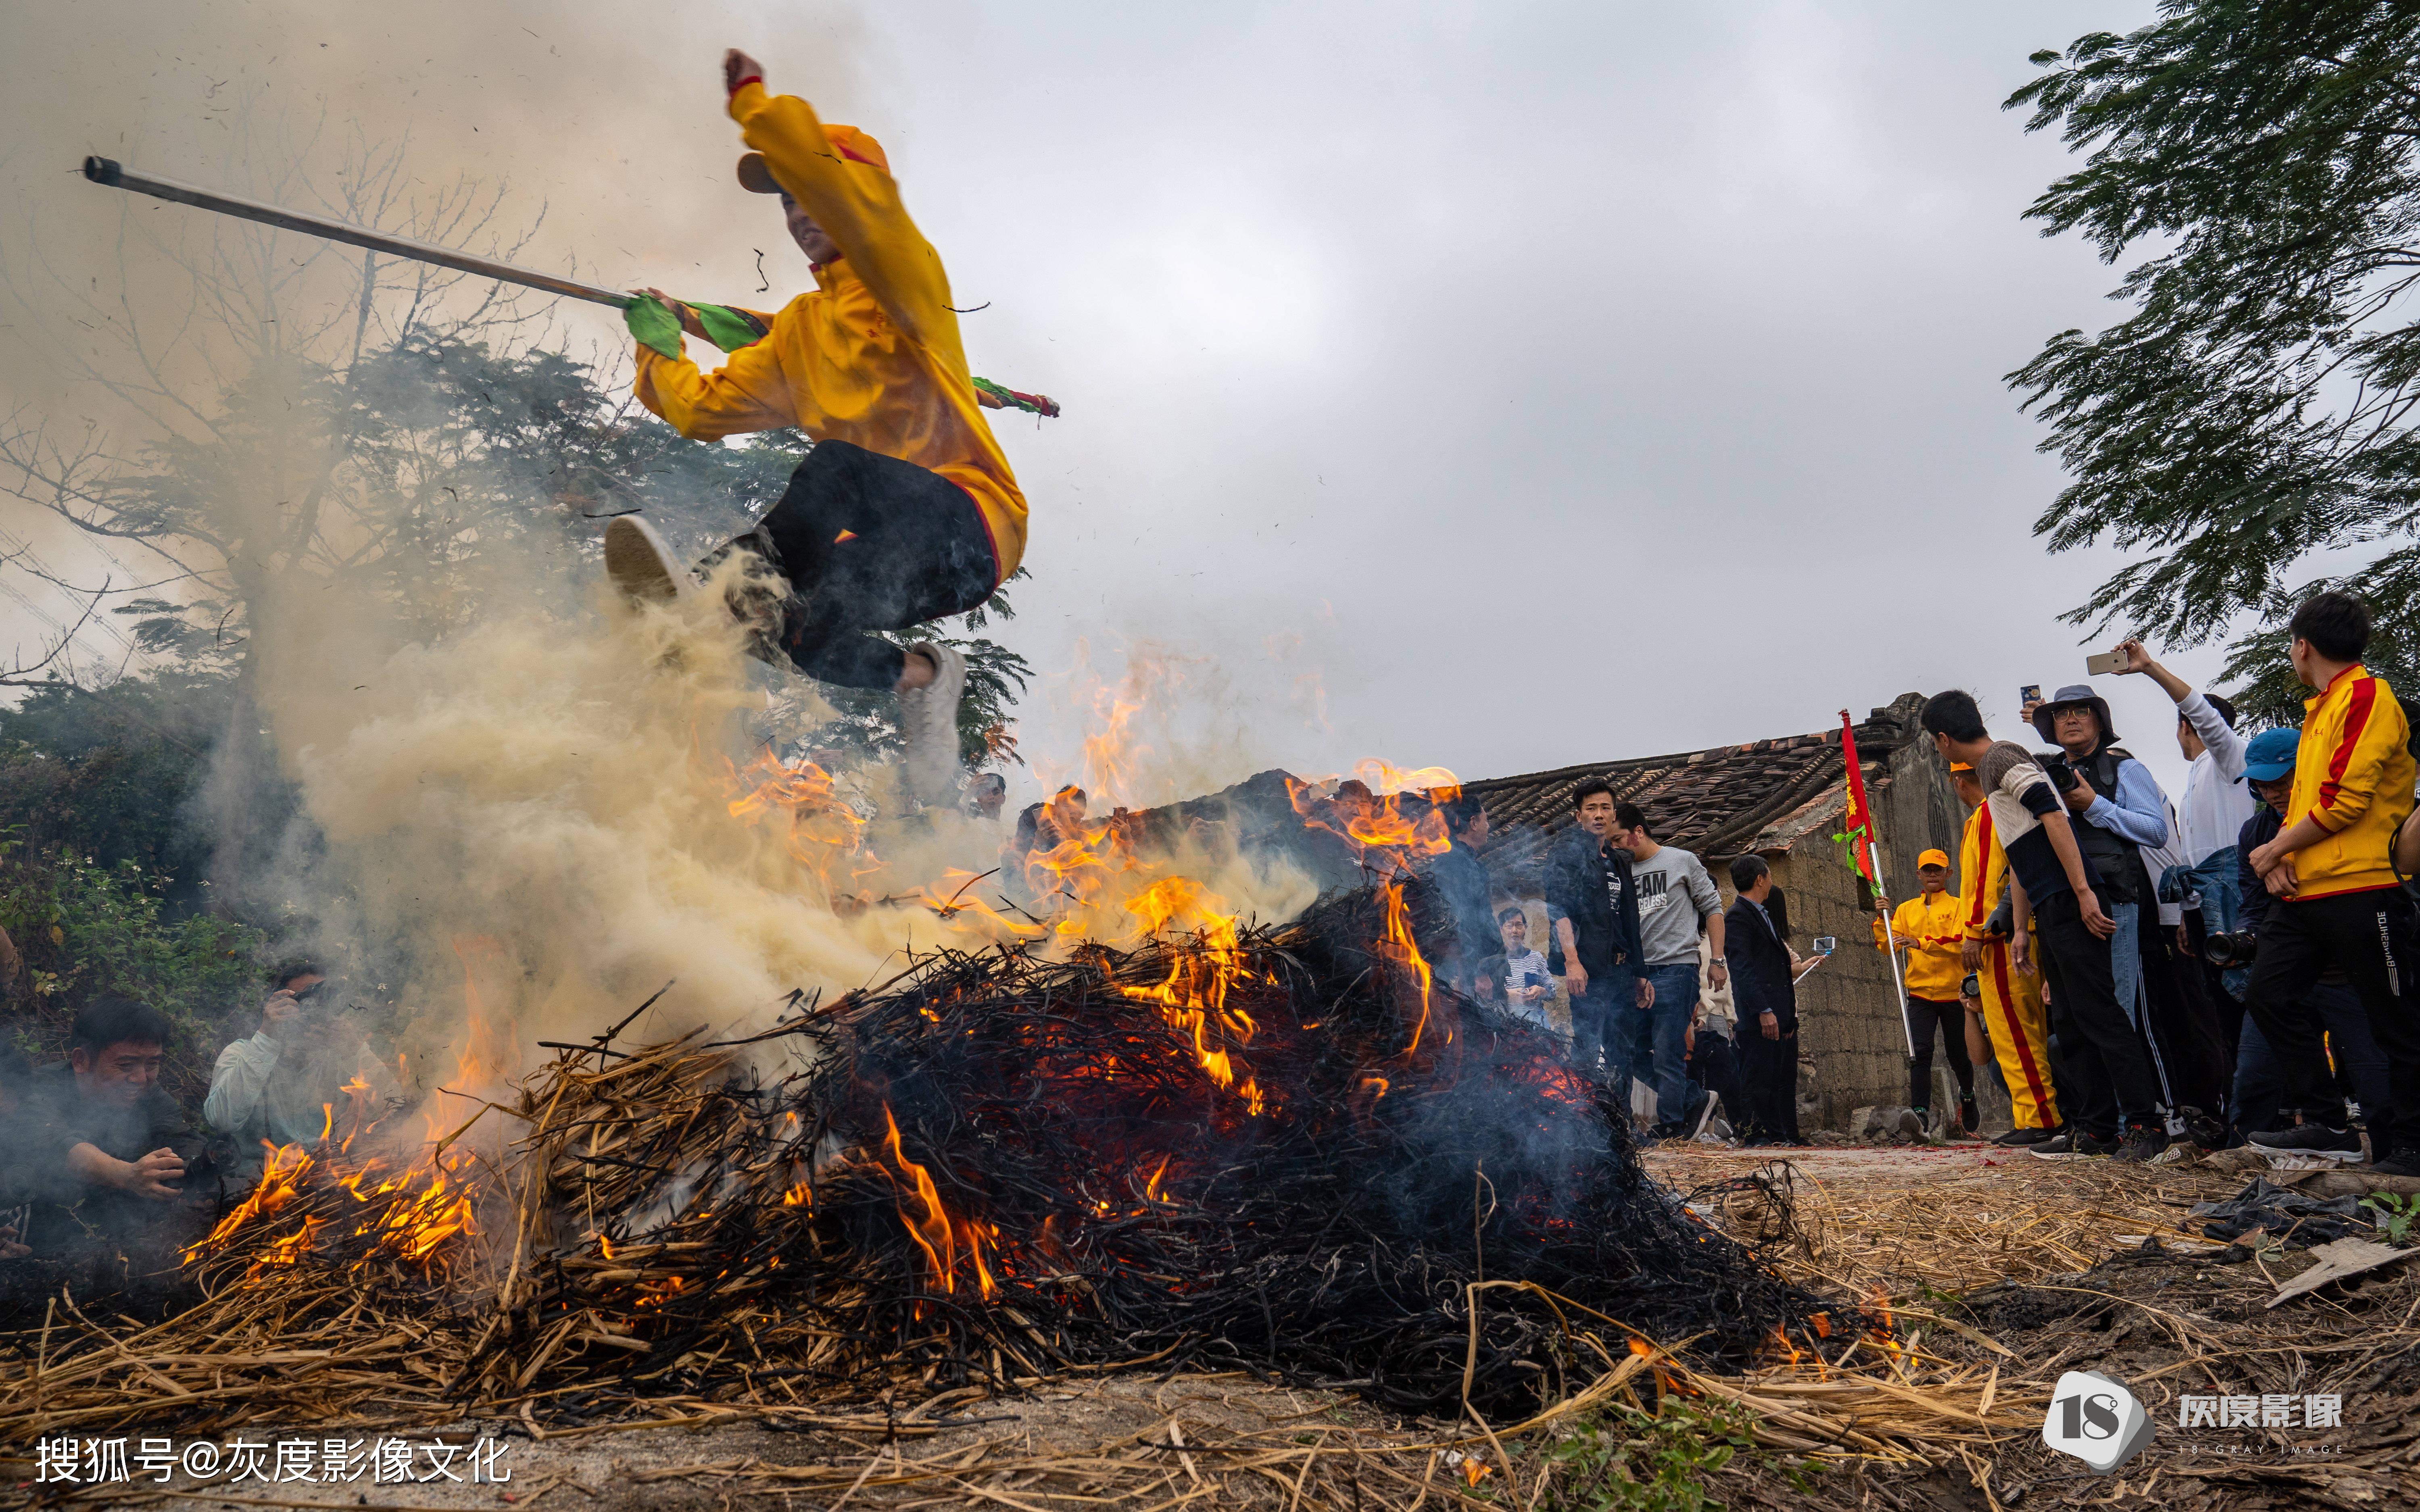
(1537, 383)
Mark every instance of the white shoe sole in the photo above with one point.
(641, 566)
(930, 716)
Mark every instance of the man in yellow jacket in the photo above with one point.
(1927, 927)
(2014, 1016)
(905, 509)
(2336, 897)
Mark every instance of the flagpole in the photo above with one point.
(1860, 800)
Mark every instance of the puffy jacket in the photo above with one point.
(873, 356)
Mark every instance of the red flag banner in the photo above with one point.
(1857, 821)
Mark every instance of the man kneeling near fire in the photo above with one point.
(114, 1145)
(301, 1071)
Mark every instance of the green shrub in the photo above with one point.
(86, 929)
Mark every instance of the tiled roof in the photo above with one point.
(1762, 796)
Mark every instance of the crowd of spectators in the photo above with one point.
(2238, 970)
(2142, 977)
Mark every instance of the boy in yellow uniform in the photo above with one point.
(2335, 900)
(2013, 1014)
(1927, 927)
(905, 509)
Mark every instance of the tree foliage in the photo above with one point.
(2256, 408)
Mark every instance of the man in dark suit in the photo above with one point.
(1764, 971)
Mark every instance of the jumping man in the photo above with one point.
(905, 509)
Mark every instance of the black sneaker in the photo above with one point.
(2143, 1145)
(1970, 1118)
(2404, 1161)
(2312, 1139)
(2022, 1138)
(2076, 1145)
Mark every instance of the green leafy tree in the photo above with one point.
(84, 929)
(2258, 406)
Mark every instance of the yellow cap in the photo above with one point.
(1940, 858)
(1961, 766)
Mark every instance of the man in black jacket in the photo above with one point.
(1764, 990)
(1587, 880)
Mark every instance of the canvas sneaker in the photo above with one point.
(2143, 1145)
(2312, 1139)
(641, 566)
(2076, 1145)
(2023, 1138)
(929, 717)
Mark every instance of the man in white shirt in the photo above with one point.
(2218, 803)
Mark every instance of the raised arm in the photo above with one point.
(857, 204)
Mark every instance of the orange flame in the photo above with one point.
(1399, 945)
(940, 1236)
(823, 832)
(1193, 997)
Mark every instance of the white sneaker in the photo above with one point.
(928, 717)
(642, 567)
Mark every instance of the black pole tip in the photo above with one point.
(100, 170)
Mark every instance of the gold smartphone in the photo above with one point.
(2104, 661)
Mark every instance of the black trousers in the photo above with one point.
(1715, 1064)
(2192, 1047)
(1770, 1076)
(1592, 1018)
(916, 548)
(2101, 1057)
(2369, 937)
(1925, 1015)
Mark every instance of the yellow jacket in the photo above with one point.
(2353, 774)
(1983, 869)
(1929, 928)
(872, 357)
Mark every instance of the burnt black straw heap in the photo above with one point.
(1282, 1151)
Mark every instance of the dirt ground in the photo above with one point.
(1999, 1263)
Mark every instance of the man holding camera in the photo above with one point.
(2336, 897)
(305, 1074)
(2053, 882)
(2124, 820)
(2217, 804)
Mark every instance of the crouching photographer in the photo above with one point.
(307, 1066)
(2332, 1004)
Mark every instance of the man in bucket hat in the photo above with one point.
(2124, 821)
(905, 509)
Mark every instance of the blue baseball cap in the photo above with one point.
(2270, 754)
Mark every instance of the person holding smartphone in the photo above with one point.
(1527, 980)
(277, 1085)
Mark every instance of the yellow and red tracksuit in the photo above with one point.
(2354, 775)
(1927, 927)
(2013, 1014)
(873, 356)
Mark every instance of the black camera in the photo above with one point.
(1969, 986)
(2228, 949)
(2062, 776)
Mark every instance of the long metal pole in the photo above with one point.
(118, 176)
(1906, 1029)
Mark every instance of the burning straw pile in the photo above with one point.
(1281, 1150)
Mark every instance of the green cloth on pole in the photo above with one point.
(657, 327)
(727, 328)
(654, 324)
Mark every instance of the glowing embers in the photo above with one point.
(1193, 997)
(945, 1239)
